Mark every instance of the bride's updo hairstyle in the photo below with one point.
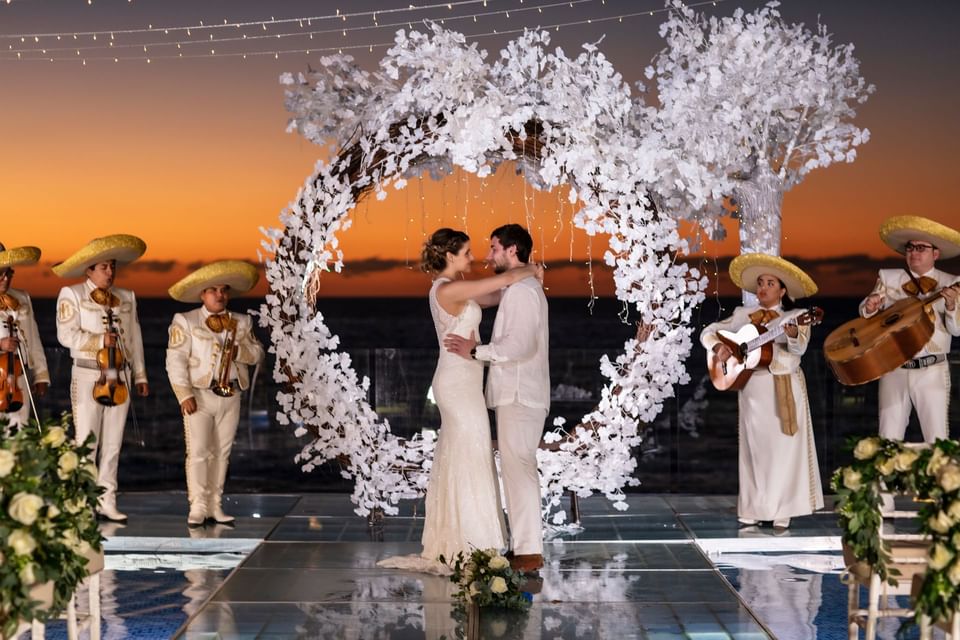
(433, 258)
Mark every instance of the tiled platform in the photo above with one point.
(305, 567)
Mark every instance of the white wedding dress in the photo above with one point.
(463, 495)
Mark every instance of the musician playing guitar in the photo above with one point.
(92, 317)
(779, 476)
(924, 381)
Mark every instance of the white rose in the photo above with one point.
(937, 460)
(851, 479)
(27, 576)
(498, 585)
(956, 540)
(886, 467)
(905, 459)
(940, 523)
(954, 510)
(949, 477)
(7, 460)
(90, 468)
(69, 461)
(21, 542)
(55, 436)
(953, 574)
(940, 556)
(74, 506)
(25, 507)
(52, 511)
(866, 448)
(498, 562)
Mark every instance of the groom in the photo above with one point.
(518, 389)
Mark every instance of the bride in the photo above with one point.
(463, 499)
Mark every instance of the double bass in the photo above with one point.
(11, 368)
(111, 390)
(863, 349)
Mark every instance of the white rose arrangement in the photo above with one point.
(486, 580)
(47, 499)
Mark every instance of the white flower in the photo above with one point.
(25, 507)
(69, 461)
(940, 523)
(21, 542)
(90, 468)
(74, 505)
(886, 465)
(866, 448)
(953, 574)
(27, 575)
(949, 477)
(498, 585)
(498, 562)
(937, 460)
(7, 460)
(54, 437)
(940, 556)
(905, 459)
(52, 511)
(852, 479)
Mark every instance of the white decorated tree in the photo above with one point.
(751, 104)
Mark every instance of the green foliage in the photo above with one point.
(48, 492)
(486, 579)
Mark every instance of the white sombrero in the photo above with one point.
(120, 247)
(239, 275)
(17, 256)
(746, 268)
(897, 231)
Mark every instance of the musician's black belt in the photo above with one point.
(924, 361)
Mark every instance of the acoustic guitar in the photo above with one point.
(863, 349)
(752, 349)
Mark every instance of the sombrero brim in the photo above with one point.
(897, 231)
(120, 247)
(18, 256)
(746, 268)
(239, 275)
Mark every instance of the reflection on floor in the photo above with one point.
(305, 567)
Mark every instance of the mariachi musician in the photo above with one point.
(924, 381)
(779, 476)
(20, 345)
(208, 355)
(98, 323)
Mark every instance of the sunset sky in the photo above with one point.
(192, 155)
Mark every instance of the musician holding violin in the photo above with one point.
(923, 382)
(209, 353)
(778, 472)
(98, 323)
(21, 353)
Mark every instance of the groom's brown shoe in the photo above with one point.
(526, 562)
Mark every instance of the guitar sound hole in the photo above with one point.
(893, 318)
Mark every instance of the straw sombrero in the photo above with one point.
(120, 247)
(746, 268)
(241, 276)
(19, 256)
(897, 231)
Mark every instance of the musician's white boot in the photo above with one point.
(196, 491)
(107, 508)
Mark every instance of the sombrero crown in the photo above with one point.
(746, 268)
(120, 247)
(239, 275)
(897, 231)
(17, 256)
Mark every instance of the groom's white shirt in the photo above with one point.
(518, 349)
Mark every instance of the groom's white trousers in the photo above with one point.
(519, 430)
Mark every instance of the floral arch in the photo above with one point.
(436, 103)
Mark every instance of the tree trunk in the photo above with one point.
(759, 201)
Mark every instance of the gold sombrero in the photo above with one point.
(746, 268)
(241, 276)
(120, 247)
(899, 230)
(18, 256)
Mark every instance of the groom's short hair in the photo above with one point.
(513, 235)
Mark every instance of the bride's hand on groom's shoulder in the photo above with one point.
(459, 345)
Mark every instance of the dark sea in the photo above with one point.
(691, 447)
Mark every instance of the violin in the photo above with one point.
(110, 390)
(11, 396)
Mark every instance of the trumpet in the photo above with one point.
(221, 383)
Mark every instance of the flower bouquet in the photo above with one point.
(48, 528)
(486, 580)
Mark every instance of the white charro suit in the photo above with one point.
(193, 358)
(518, 388)
(81, 326)
(25, 328)
(926, 388)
